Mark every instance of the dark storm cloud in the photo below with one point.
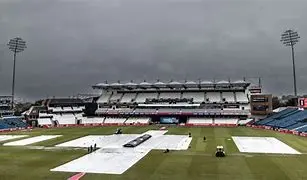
(73, 44)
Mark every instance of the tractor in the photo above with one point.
(220, 151)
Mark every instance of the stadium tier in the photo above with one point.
(5, 106)
(215, 103)
(212, 121)
(221, 100)
(200, 121)
(7, 118)
(223, 94)
(290, 118)
(139, 120)
(12, 122)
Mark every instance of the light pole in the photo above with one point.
(290, 38)
(16, 45)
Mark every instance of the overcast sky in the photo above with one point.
(73, 44)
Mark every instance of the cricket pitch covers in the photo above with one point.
(113, 158)
(262, 145)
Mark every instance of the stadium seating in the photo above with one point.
(15, 121)
(141, 97)
(276, 116)
(169, 95)
(302, 129)
(128, 97)
(213, 96)
(102, 110)
(12, 122)
(290, 118)
(79, 115)
(67, 109)
(225, 121)
(210, 121)
(116, 97)
(244, 122)
(297, 126)
(3, 125)
(136, 120)
(200, 121)
(92, 120)
(205, 98)
(56, 109)
(228, 96)
(110, 120)
(104, 98)
(44, 121)
(79, 108)
(64, 119)
(197, 97)
(241, 97)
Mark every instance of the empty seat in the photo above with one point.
(65, 119)
(214, 96)
(127, 98)
(241, 97)
(110, 120)
(116, 97)
(141, 97)
(228, 96)
(200, 121)
(12, 122)
(169, 95)
(196, 96)
(225, 121)
(144, 120)
(94, 120)
(44, 121)
(104, 98)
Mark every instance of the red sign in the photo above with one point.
(302, 102)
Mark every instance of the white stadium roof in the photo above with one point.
(223, 82)
(206, 82)
(191, 82)
(171, 84)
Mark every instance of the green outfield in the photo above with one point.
(199, 162)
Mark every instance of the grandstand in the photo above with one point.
(5, 106)
(221, 103)
(293, 119)
(56, 112)
(7, 119)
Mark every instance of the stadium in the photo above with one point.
(159, 130)
(153, 90)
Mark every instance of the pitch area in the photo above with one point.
(34, 161)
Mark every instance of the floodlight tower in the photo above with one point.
(290, 38)
(16, 45)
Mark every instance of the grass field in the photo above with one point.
(198, 162)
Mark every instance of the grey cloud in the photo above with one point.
(73, 44)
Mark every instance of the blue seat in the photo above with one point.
(294, 119)
(299, 124)
(12, 122)
(290, 118)
(271, 119)
(303, 129)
